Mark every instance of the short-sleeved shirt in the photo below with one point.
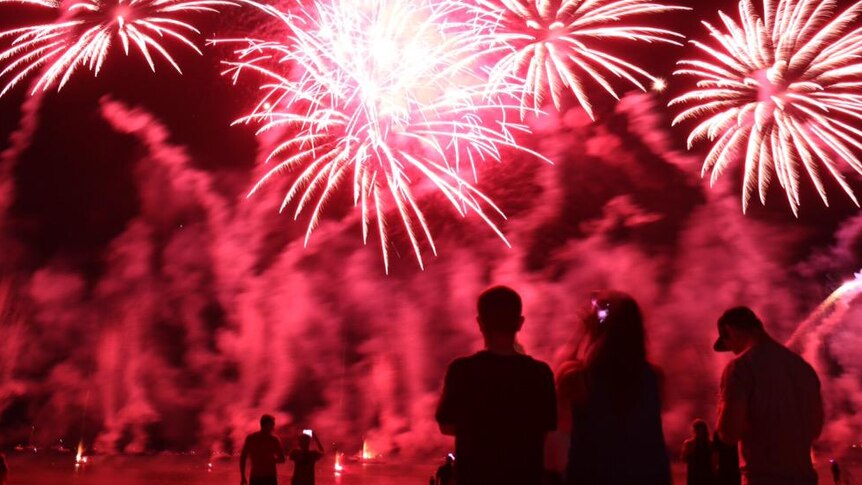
(501, 407)
(780, 393)
(303, 466)
(264, 450)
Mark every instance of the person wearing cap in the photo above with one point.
(769, 403)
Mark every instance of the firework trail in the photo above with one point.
(784, 90)
(85, 30)
(553, 46)
(382, 95)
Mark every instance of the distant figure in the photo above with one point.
(769, 403)
(498, 403)
(265, 451)
(697, 455)
(304, 459)
(446, 472)
(4, 470)
(726, 458)
(836, 472)
(610, 399)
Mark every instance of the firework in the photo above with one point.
(382, 95)
(550, 46)
(780, 91)
(85, 30)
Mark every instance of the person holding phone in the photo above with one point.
(304, 458)
(610, 399)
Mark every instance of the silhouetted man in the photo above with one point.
(498, 403)
(769, 403)
(304, 459)
(265, 451)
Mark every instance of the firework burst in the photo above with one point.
(84, 31)
(382, 95)
(555, 46)
(780, 91)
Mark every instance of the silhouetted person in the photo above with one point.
(697, 455)
(446, 473)
(498, 403)
(4, 470)
(769, 403)
(726, 458)
(304, 459)
(610, 400)
(835, 468)
(264, 450)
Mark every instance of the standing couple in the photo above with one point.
(500, 404)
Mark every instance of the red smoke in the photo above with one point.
(207, 310)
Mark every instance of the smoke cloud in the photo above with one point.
(206, 310)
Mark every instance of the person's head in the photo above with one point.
(613, 348)
(700, 430)
(614, 329)
(738, 328)
(267, 423)
(499, 311)
(304, 441)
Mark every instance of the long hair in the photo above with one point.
(614, 347)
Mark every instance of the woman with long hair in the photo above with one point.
(697, 455)
(610, 400)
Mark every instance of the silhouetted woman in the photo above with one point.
(697, 455)
(610, 399)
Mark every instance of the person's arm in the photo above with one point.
(279, 451)
(242, 458)
(571, 388)
(448, 408)
(548, 401)
(733, 403)
(319, 444)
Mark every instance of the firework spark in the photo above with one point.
(556, 46)
(84, 31)
(784, 90)
(383, 95)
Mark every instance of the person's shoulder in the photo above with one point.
(467, 361)
(540, 366)
(804, 368)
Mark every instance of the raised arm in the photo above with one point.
(318, 443)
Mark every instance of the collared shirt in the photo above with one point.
(776, 396)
